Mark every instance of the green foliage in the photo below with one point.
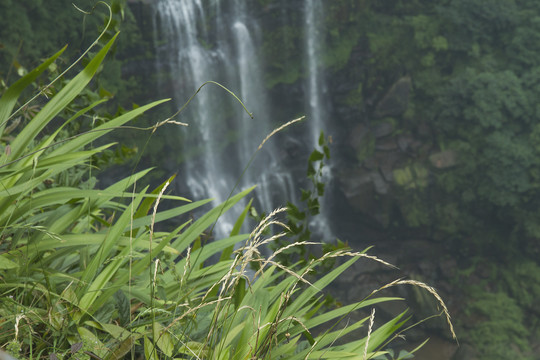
(523, 284)
(300, 216)
(29, 35)
(500, 328)
(277, 44)
(340, 45)
(366, 148)
(474, 67)
(83, 273)
(500, 313)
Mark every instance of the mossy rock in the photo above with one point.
(414, 212)
(355, 97)
(340, 47)
(411, 177)
(366, 148)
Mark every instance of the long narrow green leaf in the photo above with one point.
(58, 102)
(138, 266)
(339, 312)
(76, 241)
(51, 167)
(9, 99)
(226, 254)
(206, 221)
(49, 140)
(115, 190)
(213, 248)
(86, 138)
(146, 205)
(311, 291)
(113, 235)
(89, 302)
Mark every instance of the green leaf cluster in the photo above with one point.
(84, 273)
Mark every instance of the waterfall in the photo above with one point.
(201, 40)
(316, 86)
(317, 99)
(218, 40)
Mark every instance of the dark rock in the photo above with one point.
(448, 268)
(393, 159)
(415, 144)
(426, 266)
(484, 270)
(366, 191)
(424, 130)
(444, 159)
(382, 129)
(396, 100)
(144, 2)
(465, 352)
(424, 151)
(387, 173)
(292, 148)
(371, 163)
(437, 349)
(355, 181)
(404, 141)
(358, 135)
(386, 144)
(381, 187)
(446, 288)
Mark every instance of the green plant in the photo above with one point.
(83, 272)
(499, 330)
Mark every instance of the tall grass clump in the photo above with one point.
(84, 273)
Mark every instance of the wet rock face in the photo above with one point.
(386, 163)
(396, 100)
(443, 159)
(382, 129)
(358, 135)
(440, 349)
(366, 193)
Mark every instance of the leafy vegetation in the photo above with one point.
(85, 273)
(474, 94)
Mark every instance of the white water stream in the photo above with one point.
(219, 40)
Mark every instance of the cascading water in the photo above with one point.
(315, 83)
(221, 41)
(192, 64)
(221, 135)
(317, 103)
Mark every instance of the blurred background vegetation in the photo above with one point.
(452, 85)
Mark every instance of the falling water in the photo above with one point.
(201, 40)
(316, 86)
(192, 64)
(316, 96)
(221, 134)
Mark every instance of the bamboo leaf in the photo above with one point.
(206, 221)
(6, 264)
(92, 291)
(86, 138)
(60, 101)
(226, 254)
(9, 99)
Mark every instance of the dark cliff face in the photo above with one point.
(372, 136)
(432, 122)
(393, 79)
